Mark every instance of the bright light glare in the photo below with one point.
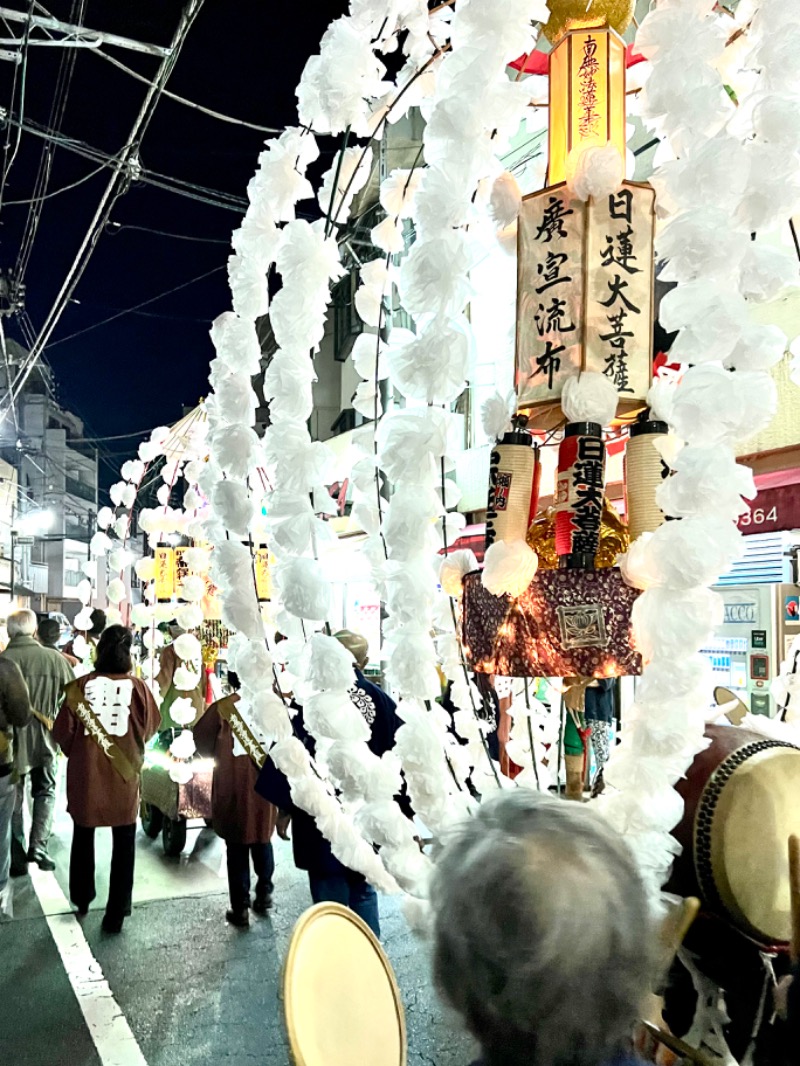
(35, 522)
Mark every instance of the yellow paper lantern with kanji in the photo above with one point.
(165, 573)
(587, 96)
(262, 561)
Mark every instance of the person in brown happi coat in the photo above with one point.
(104, 723)
(242, 818)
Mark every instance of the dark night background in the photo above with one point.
(243, 58)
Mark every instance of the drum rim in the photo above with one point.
(704, 824)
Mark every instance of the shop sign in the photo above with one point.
(741, 613)
(773, 510)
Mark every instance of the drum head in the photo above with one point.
(736, 713)
(341, 1001)
(757, 809)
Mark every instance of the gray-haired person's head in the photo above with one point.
(542, 932)
(21, 623)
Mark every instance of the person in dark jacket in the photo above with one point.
(599, 712)
(328, 879)
(15, 712)
(542, 970)
(243, 820)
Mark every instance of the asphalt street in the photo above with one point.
(179, 986)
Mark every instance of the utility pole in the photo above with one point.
(125, 164)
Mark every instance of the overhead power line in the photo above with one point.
(117, 185)
(81, 34)
(57, 192)
(144, 303)
(187, 103)
(114, 228)
(136, 172)
(66, 69)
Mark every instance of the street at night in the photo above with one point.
(188, 989)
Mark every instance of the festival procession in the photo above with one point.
(400, 533)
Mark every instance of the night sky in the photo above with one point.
(243, 58)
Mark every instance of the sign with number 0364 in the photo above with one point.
(773, 510)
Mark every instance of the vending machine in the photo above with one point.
(761, 619)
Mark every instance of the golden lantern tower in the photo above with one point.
(585, 266)
(587, 96)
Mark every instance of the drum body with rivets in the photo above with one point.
(742, 797)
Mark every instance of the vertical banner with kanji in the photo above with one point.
(181, 569)
(261, 567)
(619, 288)
(584, 293)
(165, 573)
(550, 295)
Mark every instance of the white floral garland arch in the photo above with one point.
(726, 172)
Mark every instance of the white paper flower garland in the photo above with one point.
(712, 197)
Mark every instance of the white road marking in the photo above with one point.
(116, 1045)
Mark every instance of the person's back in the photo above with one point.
(329, 879)
(15, 711)
(46, 673)
(103, 726)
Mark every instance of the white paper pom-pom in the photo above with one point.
(505, 200)
(187, 647)
(183, 712)
(181, 773)
(270, 715)
(455, 566)
(189, 615)
(193, 588)
(595, 172)
(235, 448)
(133, 471)
(713, 406)
(759, 348)
(328, 665)
(84, 591)
(590, 397)
(185, 679)
(236, 342)
(706, 481)
(509, 567)
(233, 506)
(304, 589)
(100, 544)
(141, 615)
(153, 638)
(197, 559)
(83, 619)
(433, 365)
(145, 568)
(496, 414)
(105, 516)
(182, 746)
(116, 590)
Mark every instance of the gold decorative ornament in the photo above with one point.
(614, 539)
(210, 654)
(573, 14)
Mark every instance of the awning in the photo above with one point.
(473, 537)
